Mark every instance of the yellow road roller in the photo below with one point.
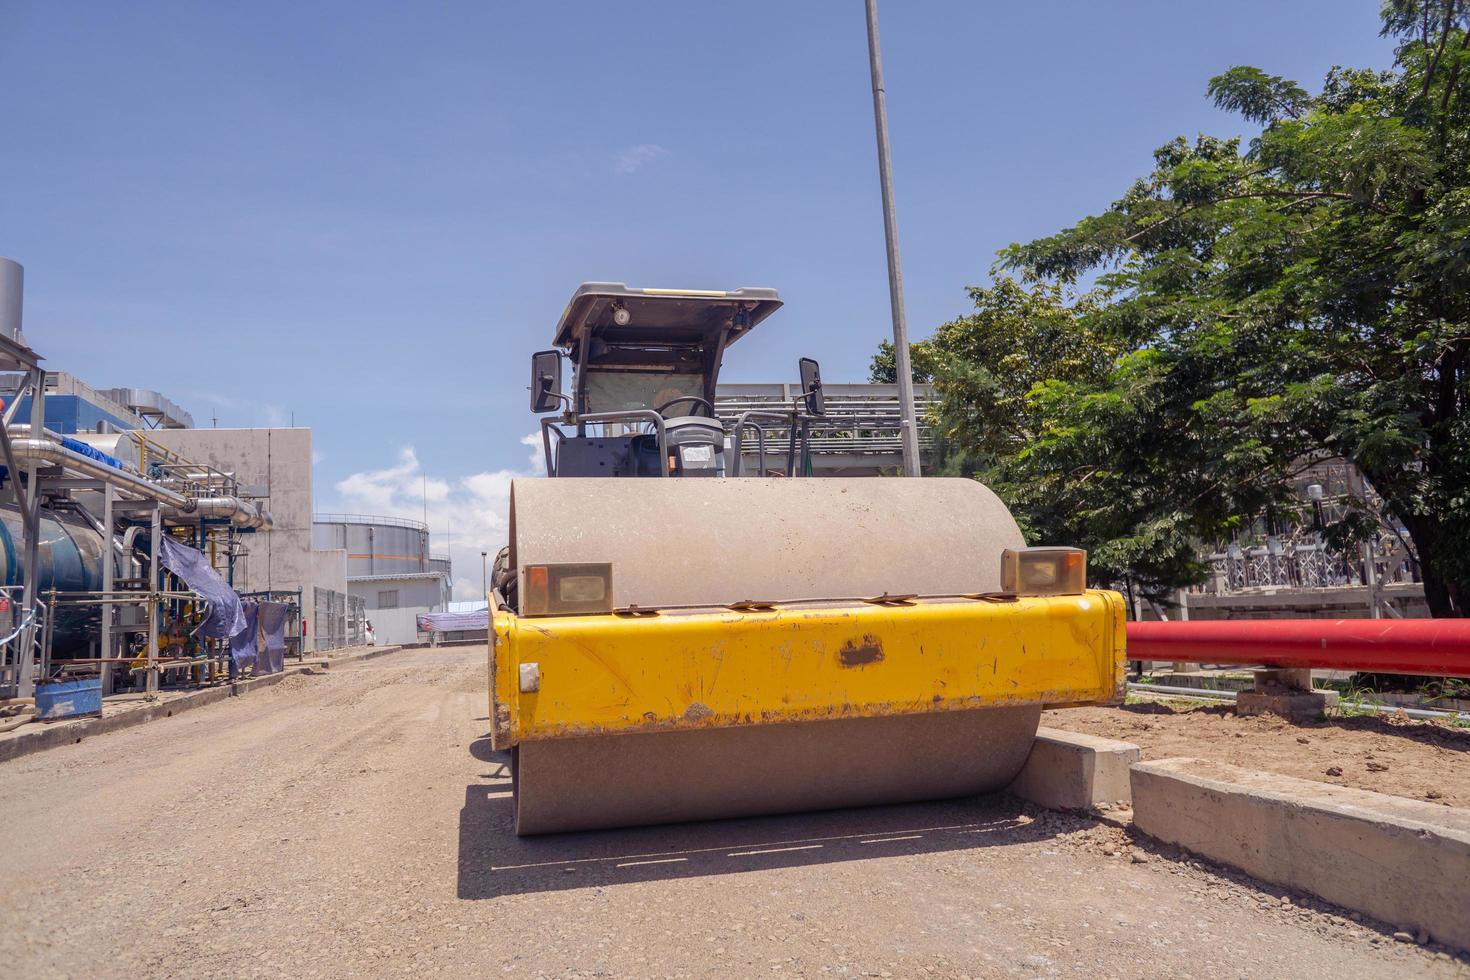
(673, 638)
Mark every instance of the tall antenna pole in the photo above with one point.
(908, 424)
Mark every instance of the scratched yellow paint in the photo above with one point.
(604, 674)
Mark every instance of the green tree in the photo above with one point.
(1303, 296)
(1000, 373)
(986, 364)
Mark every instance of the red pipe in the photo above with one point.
(1434, 647)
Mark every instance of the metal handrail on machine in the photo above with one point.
(549, 425)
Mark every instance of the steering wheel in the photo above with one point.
(698, 402)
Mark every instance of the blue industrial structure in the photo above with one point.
(71, 414)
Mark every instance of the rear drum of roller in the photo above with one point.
(712, 542)
(597, 782)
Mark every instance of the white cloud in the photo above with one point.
(537, 457)
(632, 158)
(466, 515)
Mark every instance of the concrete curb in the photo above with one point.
(39, 737)
(1400, 860)
(1074, 771)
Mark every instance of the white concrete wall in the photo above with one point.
(422, 593)
(398, 624)
(395, 626)
(329, 569)
(277, 461)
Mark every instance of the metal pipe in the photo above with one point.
(746, 419)
(25, 623)
(1201, 692)
(12, 292)
(1382, 709)
(31, 522)
(109, 575)
(791, 448)
(1432, 647)
(47, 451)
(241, 513)
(908, 424)
(151, 685)
(123, 660)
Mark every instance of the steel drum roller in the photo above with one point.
(716, 542)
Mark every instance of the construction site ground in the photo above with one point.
(1392, 754)
(356, 822)
(133, 708)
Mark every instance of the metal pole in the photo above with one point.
(908, 424)
(109, 558)
(1359, 484)
(484, 575)
(1370, 580)
(31, 525)
(153, 601)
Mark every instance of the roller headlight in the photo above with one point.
(1043, 571)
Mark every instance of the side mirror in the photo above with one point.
(811, 386)
(546, 393)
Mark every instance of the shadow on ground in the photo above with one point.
(494, 861)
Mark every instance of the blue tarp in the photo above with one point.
(86, 450)
(244, 645)
(256, 629)
(262, 643)
(272, 617)
(190, 564)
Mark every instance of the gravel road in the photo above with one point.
(356, 823)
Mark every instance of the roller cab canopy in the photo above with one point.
(640, 348)
(661, 316)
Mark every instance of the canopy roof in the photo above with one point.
(661, 316)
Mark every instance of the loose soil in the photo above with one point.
(1390, 754)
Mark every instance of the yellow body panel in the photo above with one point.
(605, 674)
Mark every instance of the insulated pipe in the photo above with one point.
(1432, 647)
(44, 450)
(241, 513)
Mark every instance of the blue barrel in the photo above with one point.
(68, 698)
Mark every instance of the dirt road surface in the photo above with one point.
(356, 823)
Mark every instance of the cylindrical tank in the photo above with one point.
(375, 545)
(12, 289)
(69, 559)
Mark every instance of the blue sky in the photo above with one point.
(367, 215)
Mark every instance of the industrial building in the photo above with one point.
(389, 570)
(140, 552)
